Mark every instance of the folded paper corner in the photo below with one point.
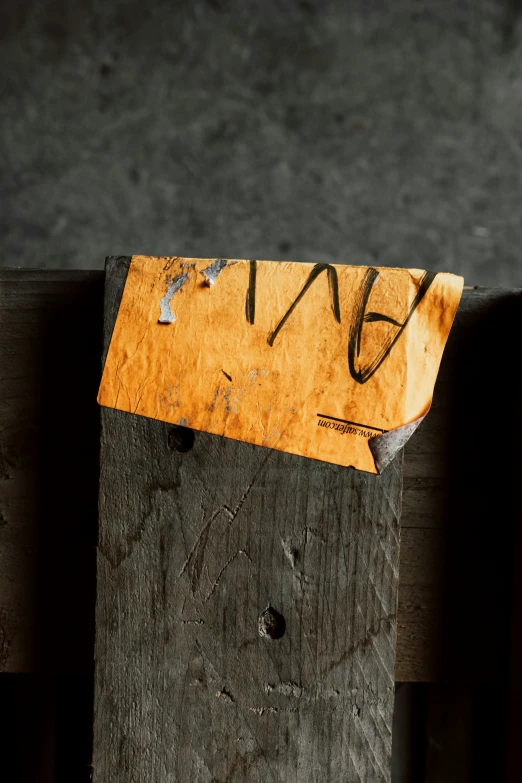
(384, 447)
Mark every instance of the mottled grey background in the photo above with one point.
(316, 130)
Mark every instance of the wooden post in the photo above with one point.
(246, 610)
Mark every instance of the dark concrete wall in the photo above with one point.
(358, 132)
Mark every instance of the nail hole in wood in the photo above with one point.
(181, 439)
(272, 625)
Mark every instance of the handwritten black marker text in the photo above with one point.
(361, 371)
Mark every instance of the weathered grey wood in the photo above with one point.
(50, 336)
(50, 330)
(193, 548)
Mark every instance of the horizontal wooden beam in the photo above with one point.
(458, 504)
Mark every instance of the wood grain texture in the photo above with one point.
(451, 620)
(50, 338)
(193, 548)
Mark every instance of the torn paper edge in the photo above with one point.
(166, 314)
(384, 447)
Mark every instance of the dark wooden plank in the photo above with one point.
(460, 478)
(50, 339)
(443, 733)
(28, 728)
(44, 432)
(43, 545)
(193, 549)
(408, 758)
(449, 727)
(514, 695)
(468, 459)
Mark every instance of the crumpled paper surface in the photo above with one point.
(327, 361)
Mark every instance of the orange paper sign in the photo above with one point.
(323, 360)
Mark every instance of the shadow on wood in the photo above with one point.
(479, 532)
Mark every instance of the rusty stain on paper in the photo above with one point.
(327, 361)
